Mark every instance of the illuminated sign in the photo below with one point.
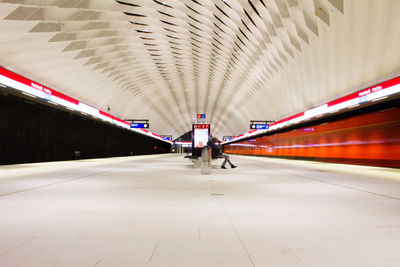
(184, 144)
(227, 138)
(259, 126)
(201, 116)
(362, 99)
(201, 126)
(166, 137)
(201, 134)
(139, 125)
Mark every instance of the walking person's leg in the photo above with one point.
(227, 159)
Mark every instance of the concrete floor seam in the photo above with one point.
(18, 246)
(236, 233)
(96, 263)
(339, 185)
(47, 185)
(153, 251)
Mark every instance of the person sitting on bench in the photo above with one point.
(216, 153)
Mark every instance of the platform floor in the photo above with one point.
(159, 211)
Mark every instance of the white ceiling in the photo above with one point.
(235, 60)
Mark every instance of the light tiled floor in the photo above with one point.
(157, 211)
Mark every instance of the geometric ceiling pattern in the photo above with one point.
(235, 60)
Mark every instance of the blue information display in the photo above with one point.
(47, 97)
(139, 125)
(167, 138)
(259, 126)
(363, 99)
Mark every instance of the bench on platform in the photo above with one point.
(196, 161)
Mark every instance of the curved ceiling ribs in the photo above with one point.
(178, 57)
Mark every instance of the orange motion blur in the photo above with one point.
(367, 139)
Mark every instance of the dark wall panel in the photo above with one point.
(34, 132)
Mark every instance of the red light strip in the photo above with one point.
(289, 118)
(75, 103)
(113, 117)
(351, 97)
(35, 85)
(366, 91)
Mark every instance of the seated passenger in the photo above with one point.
(216, 152)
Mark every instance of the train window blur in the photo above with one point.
(369, 138)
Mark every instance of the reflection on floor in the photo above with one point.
(159, 211)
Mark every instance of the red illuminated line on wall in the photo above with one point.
(366, 91)
(106, 114)
(112, 117)
(18, 78)
(289, 118)
(39, 87)
(120, 120)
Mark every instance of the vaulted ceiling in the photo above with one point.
(235, 60)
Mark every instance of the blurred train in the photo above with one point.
(370, 138)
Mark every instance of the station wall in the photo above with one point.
(35, 132)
